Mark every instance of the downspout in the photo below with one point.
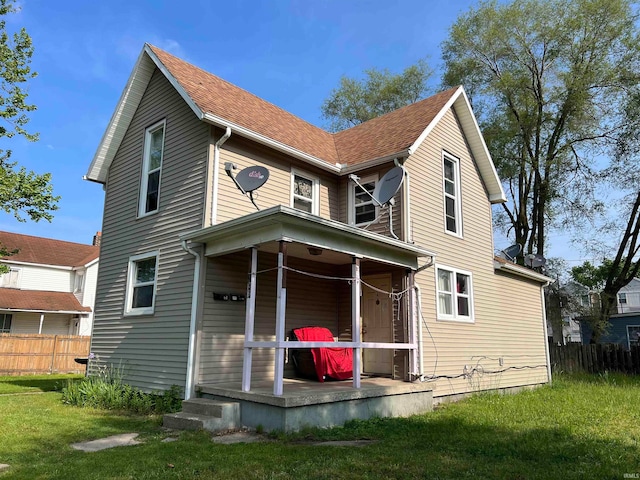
(216, 174)
(420, 343)
(544, 331)
(188, 388)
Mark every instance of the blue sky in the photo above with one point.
(291, 53)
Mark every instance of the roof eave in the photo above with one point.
(348, 169)
(264, 140)
(517, 270)
(460, 103)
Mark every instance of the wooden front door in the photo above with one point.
(377, 324)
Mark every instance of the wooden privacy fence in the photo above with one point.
(30, 354)
(598, 358)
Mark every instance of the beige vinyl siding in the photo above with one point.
(152, 348)
(507, 311)
(310, 301)
(277, 191)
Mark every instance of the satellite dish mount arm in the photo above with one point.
(354, 179)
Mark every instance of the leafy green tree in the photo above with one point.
(549, 80)
(22, 193)
(356, 101)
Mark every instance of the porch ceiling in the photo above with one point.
(339, 242)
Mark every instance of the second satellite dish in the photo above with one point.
(388, 185)
(535, 261)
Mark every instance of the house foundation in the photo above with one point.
(305, 403)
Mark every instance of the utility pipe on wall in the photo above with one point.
(420, 343)
(188, 387)
(216, 174)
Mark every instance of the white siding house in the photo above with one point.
(50, 287)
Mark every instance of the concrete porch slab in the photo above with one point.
(308, 403)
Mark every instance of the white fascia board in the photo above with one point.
(460, 102)
(21, 310)
(522, 272)
(92, 262)
(125, 110)
(264, 140)
(41, 265)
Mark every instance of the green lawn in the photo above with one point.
(582, 427)
(35, 383)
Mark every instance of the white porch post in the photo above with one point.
(355, 321)
(414, 319)
(41, 322)
(249, 321)
(281, 307)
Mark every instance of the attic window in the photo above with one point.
(151, 169)
(451, 190)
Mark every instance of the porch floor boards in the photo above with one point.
(299, 392)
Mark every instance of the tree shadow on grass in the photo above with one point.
(38, 383)
(417, 447)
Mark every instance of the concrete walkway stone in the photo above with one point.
(4, 466)
(121, 440)
(239, 437)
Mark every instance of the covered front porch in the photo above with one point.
(279, 269)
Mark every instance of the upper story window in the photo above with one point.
(362, 209)
(11, 279)
(142, 282)
(151, 168)
(454, 294)
(451, 189)
(78, 286)
(5, 323)
(622, 298)
(305, 192)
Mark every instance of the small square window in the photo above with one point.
(11, 279)
(142, 283)
(454, 295)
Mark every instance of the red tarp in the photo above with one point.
(336, 363)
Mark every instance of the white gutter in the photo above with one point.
(216, 173)
(544, 331)
(188, 388)
(245, 132)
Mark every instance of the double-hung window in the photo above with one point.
(151, 169)
(5, 323)
(363, 208)
(451, 189)
(305, 192)
(142, 282)
(454, 294)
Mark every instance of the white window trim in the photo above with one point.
(457, 197)
(455, 317)
(628, 337)
(144, 180)
(351, 213)
(315, 192)
(128, 310)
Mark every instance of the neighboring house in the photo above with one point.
(50, 287)
(197, 288)
(629, 297)
(623, 329)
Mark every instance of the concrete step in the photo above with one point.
(211, 408)
(208, 415)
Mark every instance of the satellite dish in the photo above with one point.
(510, 253)
(388, 185)
(249, 179)
(252, 178)
(535, 261)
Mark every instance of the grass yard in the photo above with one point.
(35, 383)
(582, 427)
